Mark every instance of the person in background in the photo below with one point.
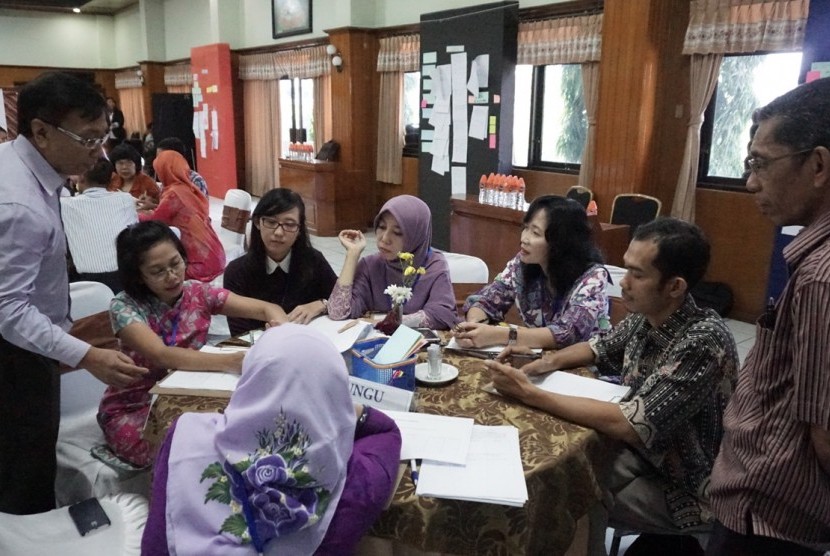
(91, 238)
(301, 469)
(557, 282)
(162, 321)
(281, 266)
(116, 118)
(62, 124)
(129, 178)
(771, 482)
(176, 144)
(404, 224)
(182, 205)
(680, 362)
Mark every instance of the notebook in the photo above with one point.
(398, 346)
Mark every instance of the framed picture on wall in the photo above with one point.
(290, 17)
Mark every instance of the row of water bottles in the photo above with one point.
(502, 191)
(301, 151)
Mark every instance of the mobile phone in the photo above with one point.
(429, 335)
(88, 516)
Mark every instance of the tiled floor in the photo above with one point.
(743, 332)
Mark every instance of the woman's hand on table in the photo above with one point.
(479, 335)
(303, 314)
(274, 315)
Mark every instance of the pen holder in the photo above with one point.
(400, 374)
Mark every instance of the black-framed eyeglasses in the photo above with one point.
(755, 164)
(83, 141)
(272, 224)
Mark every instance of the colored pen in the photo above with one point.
(413, 471)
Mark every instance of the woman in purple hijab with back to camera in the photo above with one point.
(291, 467)
(404, 224)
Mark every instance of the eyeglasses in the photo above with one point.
(83, 141)
(161, 274)
(272, 224)
(755, 164)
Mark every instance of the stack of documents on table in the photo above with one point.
(490, 352)
(212, 384)
(492, 473)
(461, 460)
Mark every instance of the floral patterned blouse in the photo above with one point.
(573, 317)
(183, 325)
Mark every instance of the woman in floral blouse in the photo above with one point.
(162, 320)
(556, 281)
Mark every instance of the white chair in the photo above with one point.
(235, 215)
(54, 532)
(466, 269)
(79, 475)
(468, 274)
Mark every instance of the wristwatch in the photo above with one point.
(512, 336)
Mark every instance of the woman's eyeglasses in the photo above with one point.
(272, 224)
(161, 273)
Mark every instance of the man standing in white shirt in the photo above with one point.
(92, 221)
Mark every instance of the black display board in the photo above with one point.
(489, 29)
(173, 117)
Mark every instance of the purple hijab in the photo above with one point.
(277, 457)
(432, 292)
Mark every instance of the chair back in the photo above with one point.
(465, 269)
(581, 195)
(634, 209)
(236, 210)
(88, 298)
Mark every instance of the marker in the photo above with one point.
(413, 471)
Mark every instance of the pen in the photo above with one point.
(413, 471)
(347, 326)
(251, 337)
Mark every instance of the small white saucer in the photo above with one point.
(448, 374)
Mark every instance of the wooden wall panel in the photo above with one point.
(742, 242)
(641, 45)
(153, 83)
(408, 186)
(354, 115)
(545, 183)
(10, 75)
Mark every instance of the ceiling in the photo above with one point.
(99, 7)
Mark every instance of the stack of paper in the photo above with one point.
(342, 334)
(494, 350)
(561, 382)
(197, 383)
(492, 473)
(433, 437)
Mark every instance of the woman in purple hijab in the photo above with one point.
(291, 467)
(404, 224)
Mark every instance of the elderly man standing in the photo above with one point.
(771, 481)
(680, 361)
(62, 126)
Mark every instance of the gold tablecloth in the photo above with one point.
(560, 463)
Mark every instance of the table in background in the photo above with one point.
(493, 233)
(560, 463)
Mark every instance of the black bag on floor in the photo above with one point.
(715, 295)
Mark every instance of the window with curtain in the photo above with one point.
(745, 82)
(550, 123)
(296, 112)
(410, 112)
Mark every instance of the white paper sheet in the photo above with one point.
(433, 437)
(200, 380)
(452, 344)
(343, 341)
(492, 473)
(561, 382)
(459, 180)
(459, 107)
(478, 123)
(3, 122)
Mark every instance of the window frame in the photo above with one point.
(534, 155)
